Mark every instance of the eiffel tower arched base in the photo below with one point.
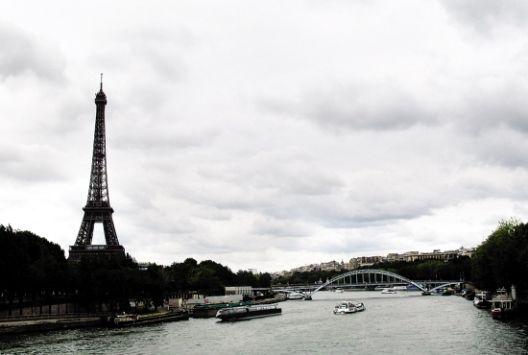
(77, 252)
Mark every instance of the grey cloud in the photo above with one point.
(502, 105)
(152, 50)
(22, 53)
(364, 244)
(501, 146)
(146, 98)
(373, 198)
(279, 205)
(279, 228)
(30, 164)
(159, 139)
(485, 15)
(265, 188)
(295, 178)
(159, 222)
(359, 210)
(380, 106)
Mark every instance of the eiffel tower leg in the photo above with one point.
(109, 231)
(85, 232)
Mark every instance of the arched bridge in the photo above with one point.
(373, 278)
(369, 277)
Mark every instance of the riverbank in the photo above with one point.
(76, 321)
(40, 324)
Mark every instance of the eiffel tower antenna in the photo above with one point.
(97, 209)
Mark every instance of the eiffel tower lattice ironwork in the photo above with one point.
(97, 209)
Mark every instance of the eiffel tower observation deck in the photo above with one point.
(97, 209)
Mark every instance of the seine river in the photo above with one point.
(405, 323)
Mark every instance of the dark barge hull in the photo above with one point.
(249, 315)
(204, 313)
(483, 305)
(136, 320)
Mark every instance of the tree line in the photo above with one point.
(502, 259)
(35, 271)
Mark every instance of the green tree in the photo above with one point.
(501, 260)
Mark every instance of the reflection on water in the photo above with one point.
(405, 323)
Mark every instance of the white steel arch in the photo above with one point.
(444, 285)
(395, 277)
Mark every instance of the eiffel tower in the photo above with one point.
(97, 209)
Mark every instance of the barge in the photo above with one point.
(209, 310)
(128, 319)
(248, 312)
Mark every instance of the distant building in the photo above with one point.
(238, 290)
(466, 251)
(143, 266)
(350, 265)
(305, 268)
(410, 255)
(437, 255)
(366, 261)
(391, 257)
(363, 261)
(330, 266)
(434, 255)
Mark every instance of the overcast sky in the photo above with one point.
(268, 134)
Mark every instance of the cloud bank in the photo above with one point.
(268, 135)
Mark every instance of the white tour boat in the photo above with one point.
(399, 288)
(360, 307)
(347, 307)
(295, 295)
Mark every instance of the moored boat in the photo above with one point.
(209, 310)
(295, 295)
(447, 291)
(399, 288)
(501, 309)
(468, 294)
(388, 291)
(127, 319)
(248, 312)
(501, 305)
(481, 300)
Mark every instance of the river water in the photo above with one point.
(405, 323)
